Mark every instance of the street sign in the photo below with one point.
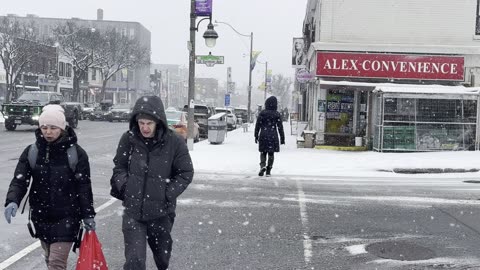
(227, 100)
(209, 60)
(304, 76)
(231, 87)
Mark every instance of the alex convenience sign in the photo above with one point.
(390, 66)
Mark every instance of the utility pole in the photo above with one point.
(249, 109)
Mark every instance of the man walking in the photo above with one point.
(152, 168)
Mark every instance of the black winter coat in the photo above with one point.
(268, 121)
(59, 198)
(149, 179)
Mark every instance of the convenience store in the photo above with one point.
(393, 101)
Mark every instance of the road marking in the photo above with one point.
(36, 245)
(307, 242)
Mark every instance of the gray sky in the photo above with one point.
(273, 22)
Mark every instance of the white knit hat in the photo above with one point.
(53, 115)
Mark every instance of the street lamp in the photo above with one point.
(210, 39)
(249, 68)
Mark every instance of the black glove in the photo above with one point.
(282, 142)
(10, 211)
(256, 140)
(89, 224)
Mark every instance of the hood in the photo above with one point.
(151, 105)
(271, 103)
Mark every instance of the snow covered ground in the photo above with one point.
(239, 155)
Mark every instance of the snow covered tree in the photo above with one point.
(18, 47)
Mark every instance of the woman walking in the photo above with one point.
(60, 194)
(267, 128)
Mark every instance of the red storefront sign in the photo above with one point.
(390, 66)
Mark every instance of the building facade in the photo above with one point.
(125, 85)
(393, 73)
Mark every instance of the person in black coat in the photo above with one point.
(59, 197)
(266, 135)
(152, 168)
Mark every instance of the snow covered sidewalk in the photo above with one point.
(239, 155)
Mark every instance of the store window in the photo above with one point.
(477, 18)
(425, 124)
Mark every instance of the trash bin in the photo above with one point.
(217, 128)
(309, 136)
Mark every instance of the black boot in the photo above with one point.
(262, 171)
(268, 171)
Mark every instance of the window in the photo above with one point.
(61, 69)
(94, 74)
(132, 33)
(68, 71)
(114, 77)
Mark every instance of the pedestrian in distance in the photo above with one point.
(60, 195)
(267, 129)
(152, 168)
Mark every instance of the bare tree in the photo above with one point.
(280, 87)
(81, 45)
(17, 49)
(118, 52)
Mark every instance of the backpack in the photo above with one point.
(32, 160)
(71, 153)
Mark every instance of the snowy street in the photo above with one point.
(320, 209)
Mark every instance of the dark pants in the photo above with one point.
(156, 232)
(263, 159)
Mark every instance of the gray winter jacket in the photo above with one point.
(149, 179)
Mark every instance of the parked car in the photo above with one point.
(201, 115)
(87, 110)
(101, 112)
(241, 113)
(231, 118)
(177, 120)
(119, 112)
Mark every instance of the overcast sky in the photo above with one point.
(273, 22)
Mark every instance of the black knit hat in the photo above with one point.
(146, 116)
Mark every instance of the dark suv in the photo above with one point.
(201, 115)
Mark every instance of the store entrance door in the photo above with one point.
(346, 116)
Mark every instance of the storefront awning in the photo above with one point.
(427, 89)
(19, 86)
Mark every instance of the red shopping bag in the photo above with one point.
(91, 255)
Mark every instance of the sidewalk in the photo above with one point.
(239, 155)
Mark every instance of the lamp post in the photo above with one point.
(249, 110)
(210, 37)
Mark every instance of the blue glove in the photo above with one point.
(10, 211)
(89, 224)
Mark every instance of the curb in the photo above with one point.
(433, 170)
